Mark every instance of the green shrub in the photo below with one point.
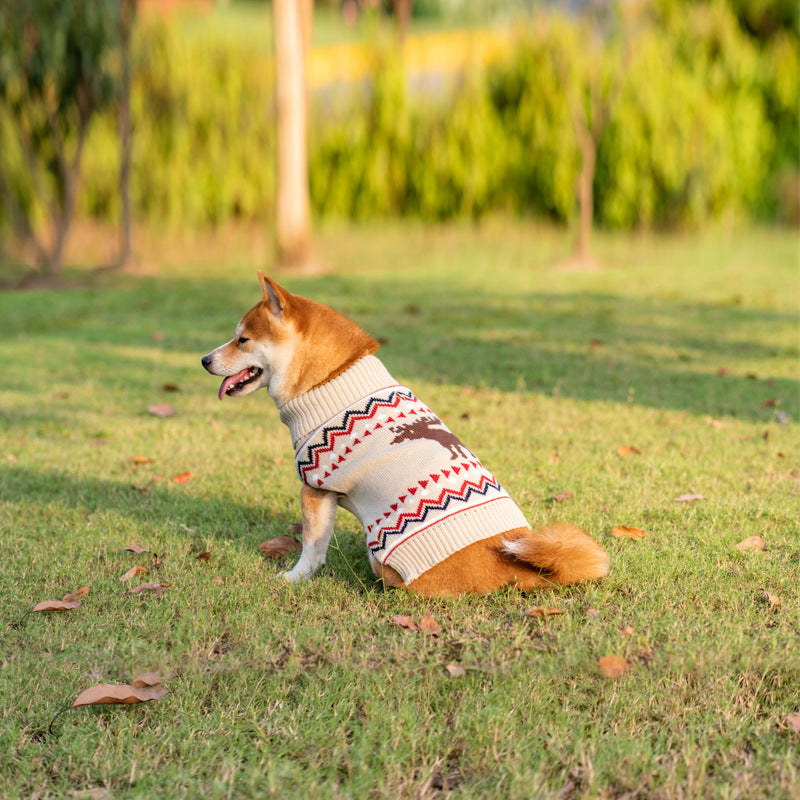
(705, 120)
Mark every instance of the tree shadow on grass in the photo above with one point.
(161, 511)
(701, 357)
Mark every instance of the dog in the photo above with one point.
(436, 521)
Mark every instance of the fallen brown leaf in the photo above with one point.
(170, 387)
(161, 410)
(147, 679)
(132, 572)
(429, 625)
(455, 670)
(137, 460)
(55, 605)
(75, 594)
(134, 548)
(183, 477)
(560, 498)
(405, 622)
(792, 721)
(771, 403)
(592, 613)
(140, 690)
(626, 450)
(626, 532)
(543, 613)
(688, 498)
(628, 630)
(155, 587)
(216, 579)
(280, 546)
(125, 693)
(773, 600)
(204, 556)
(613, 666)
(751, 543)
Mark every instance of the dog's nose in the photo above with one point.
(206, 362)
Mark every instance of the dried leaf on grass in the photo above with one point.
(204, 556)
(560, 498)
(752, 543)
(138, 460)
(138, 569)
(183, 477)
(689, 498)
(455, 670)
(628, 630)
(625, 450)
(126, 694)
(430, 626)
(427, 624)
(626, 532)
(280, 546)
(792, 721)
(543, 613)
(613, 666)
(161, 410)
(76, 594)
(155, 587)
(773, 600)
(66, 603)
(143, 689)
(55, 605)
(135, 548)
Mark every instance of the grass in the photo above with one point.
(686, 348)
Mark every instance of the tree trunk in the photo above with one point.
(127, 14)
(292, 19)
(588, 147)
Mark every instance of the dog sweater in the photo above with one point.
(420, 494)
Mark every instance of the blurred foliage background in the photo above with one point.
(468, 115)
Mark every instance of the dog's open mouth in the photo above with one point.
(235, 383)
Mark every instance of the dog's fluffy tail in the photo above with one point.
(564, 554)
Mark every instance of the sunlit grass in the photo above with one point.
(685, 348)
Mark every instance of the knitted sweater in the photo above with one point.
(420, 494)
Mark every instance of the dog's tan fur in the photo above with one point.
(297, 345)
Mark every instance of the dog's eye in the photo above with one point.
(242, 340)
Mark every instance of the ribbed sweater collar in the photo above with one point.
(306, 413)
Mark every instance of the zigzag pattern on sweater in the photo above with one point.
(428, 506)
(345, 428)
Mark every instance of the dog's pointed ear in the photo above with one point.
(274, 294)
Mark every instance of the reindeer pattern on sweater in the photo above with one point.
(418, 491)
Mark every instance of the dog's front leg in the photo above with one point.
(318, 510)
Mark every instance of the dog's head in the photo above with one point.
(288, 344)
(258, 352)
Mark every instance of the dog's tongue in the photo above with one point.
(231, 380)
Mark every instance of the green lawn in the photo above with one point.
(685, 348)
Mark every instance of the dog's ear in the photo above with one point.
(274, 294)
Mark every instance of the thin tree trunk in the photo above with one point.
(127, 14)
(588, 147)
(293, 206)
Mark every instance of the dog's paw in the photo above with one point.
(295, 576)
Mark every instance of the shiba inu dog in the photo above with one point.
(436, 521)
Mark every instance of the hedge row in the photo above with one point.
(702, 124)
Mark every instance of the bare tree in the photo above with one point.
(591, 85)
(127, 14)
(53, 80)
(293, 24)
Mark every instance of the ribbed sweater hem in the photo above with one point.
(429, 546)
